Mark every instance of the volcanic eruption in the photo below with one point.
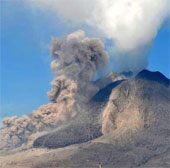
(120, 119)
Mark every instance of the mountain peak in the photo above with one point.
(153, 76)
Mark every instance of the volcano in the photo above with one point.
(125, 124)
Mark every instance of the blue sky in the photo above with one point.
(25, 57)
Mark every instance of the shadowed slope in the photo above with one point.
(153, 76)
(72, 134)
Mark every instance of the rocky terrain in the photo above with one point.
(121, 120)
(126, 125)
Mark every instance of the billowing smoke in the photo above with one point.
(130, 24)
(77, 58)
(75, 62)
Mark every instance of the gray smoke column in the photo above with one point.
(131, 25)
(75, 61)
(77, 58)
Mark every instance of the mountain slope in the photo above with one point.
(126, 124)
(128, 106)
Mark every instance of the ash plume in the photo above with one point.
(132, 25)
(75, 61)
(77, 58)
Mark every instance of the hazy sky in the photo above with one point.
(25, 64)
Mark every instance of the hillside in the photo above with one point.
(125, 124)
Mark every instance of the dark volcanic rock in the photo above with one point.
(103, 94)
(72, 134)
(153, 76)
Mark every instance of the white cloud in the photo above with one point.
(131, 24)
